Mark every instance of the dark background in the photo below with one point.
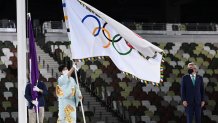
(159, 11)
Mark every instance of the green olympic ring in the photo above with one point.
(113, 40)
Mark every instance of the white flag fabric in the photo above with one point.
(93, 34)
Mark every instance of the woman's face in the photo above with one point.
(65, 71)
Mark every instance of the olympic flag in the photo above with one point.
(93, 34)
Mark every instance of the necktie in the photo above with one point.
(193, 79)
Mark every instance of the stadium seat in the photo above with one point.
(8, 94)
(93, 67)
(177, 99)
(14, 115)
(214, 118)
(8, 85)
(52, 120)
(207, 113)
(152, 108)
(4, 115)
(48, 115)
(145, 119)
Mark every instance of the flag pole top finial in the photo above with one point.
(29, 15)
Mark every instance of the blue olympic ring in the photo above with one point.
(99, 23)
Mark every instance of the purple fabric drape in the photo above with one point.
(33, 57)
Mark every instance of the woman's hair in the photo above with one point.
(61, 67)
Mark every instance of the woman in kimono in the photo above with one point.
(68, 94)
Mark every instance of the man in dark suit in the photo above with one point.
(42, 91)
(192, 92)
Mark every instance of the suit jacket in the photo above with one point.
(28, 94)
(193, 94)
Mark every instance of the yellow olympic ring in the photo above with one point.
(108, 33)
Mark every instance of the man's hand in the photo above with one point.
(35, 88)
(34, 102)
(185, 104)
(202, 104)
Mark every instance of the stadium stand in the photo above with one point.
(134, 101)
(125, 97)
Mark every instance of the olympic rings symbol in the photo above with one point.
(107, 35)
(113, 40)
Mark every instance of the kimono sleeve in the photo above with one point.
(64, 87)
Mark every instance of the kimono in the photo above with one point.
(68, 98)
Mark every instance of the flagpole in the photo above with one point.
(21, 59)
(84, 118)
(37, 111)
